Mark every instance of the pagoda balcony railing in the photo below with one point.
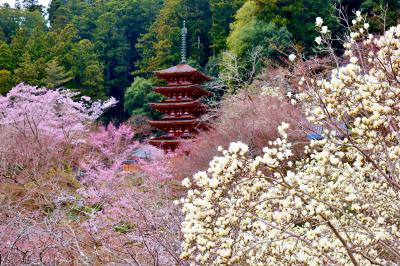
(182, 114)
(170, 117)
(179, 97)
(179, 82)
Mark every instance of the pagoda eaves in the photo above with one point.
(182, 107)
(181, 74)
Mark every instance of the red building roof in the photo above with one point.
(182, 69)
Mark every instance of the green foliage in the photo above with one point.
(92, 80)
(35, 54)
(62, 41)
(376, 9)
(114, 32)
(114, 50)
(255, 33)
(55, 75)
(198, 17)
(5, 56)
(296, 17)
(212, 67)
(53, 10)
(38, 45)
(160, 45)
(138, 96)
(29, 71)
(18, 44)
(18, 4)
(300, 23)
(222, 14)
(11, 20)
(252, 37)
(124, 227)
(76, 212)
(5, 81)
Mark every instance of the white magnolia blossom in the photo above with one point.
(347, 45)
(338, 204)
(353, 60)
(324, 29)
(319, 21)
(318, 40)
(354, 35)
(292, 57)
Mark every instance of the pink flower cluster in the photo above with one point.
(49, 113)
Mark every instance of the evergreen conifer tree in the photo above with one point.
(5, 57)
(5, 81)
(56, 76)
(30, 72)
(222, 12)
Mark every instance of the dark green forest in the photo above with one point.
(99, 47)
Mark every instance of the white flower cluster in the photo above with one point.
(323, 30)
(359, 30)
(337, 205)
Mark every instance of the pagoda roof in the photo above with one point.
(182, 69)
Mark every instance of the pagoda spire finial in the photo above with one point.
(183, 47)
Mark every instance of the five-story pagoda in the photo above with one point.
(182, 107)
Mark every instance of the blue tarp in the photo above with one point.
(314, 136)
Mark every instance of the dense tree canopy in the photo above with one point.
(138, 96)
(5, 56)
(250, 31)
(223, 12)
(264, 22)
(14, 19)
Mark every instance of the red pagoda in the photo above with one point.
(182, 107)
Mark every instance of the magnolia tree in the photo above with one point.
(337, 205)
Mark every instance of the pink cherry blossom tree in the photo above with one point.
(39, 112)
(63, 198)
